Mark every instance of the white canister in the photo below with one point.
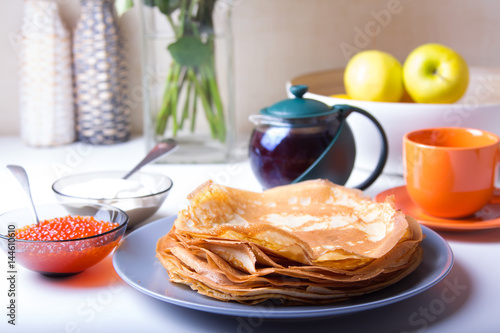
(45, 77)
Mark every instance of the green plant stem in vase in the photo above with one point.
(193, 69)
(187, 96)
(193, 102)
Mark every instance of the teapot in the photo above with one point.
(300, 139)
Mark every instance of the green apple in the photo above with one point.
(374, 76)
(434, 73)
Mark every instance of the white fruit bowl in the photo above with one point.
(478, 108)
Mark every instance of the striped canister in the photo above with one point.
(103, 114)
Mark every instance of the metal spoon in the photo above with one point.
(22, 178)
(160, 149)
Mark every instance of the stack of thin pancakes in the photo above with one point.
(311, 242)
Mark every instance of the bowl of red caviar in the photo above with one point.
(68, 239)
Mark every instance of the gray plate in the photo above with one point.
(135, 261)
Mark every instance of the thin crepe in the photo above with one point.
(312, 242)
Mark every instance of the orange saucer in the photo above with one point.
(487, 218)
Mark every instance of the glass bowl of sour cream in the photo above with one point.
(140, 196)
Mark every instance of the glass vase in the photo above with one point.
(103, 115)
(45, 77)
(188, 79)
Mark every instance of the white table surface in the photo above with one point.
(97, 300)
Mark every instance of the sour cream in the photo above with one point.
(107, 188)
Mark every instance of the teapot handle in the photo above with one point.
(344, 111)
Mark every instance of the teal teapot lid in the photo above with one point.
(298, 107)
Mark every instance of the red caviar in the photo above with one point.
(64, 228)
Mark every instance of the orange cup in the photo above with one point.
(450, 172)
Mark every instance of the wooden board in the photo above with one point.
(324, 83)
(484, 84)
